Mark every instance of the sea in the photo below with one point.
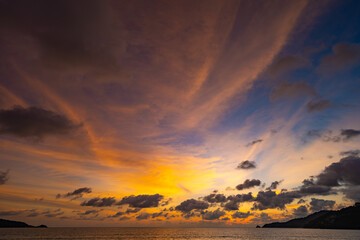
(176, 233)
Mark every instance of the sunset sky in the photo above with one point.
(178, 113)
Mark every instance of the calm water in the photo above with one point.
(176, 233)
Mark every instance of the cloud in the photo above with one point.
(142, 201)
(124, 218)
(164, 203)
(132, 210)
(346, 171)
(246, 165)
(212, 215)
(51, 214)
(48, 213)
(352, 192)
(248, 184)
(301, 211)
(343, 55)
(4, 177)
(241, 215)
(10, 213)
(350, 153)
(301, 201)
(143, 216)
(349, 133)
(157, 214)
(274, 185)
(118, 214)
(192, 204)
(77, 193)
(318, 105)
(262, 217)
(215, 198)
(99, 202)
(309, 187)
(284, 64)
(254, 142)
(292, 90)
(328, 136)
(88, 212)
(343, 173)
(34, 122)
(269, 199)
(234, 201)
(320, 204)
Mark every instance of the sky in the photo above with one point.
(178, 113)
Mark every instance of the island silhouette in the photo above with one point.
(15, 224)
(346, 218)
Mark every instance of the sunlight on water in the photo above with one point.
(177, 233)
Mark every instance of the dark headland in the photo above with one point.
(346, 218)
(15, 224)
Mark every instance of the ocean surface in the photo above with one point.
(176, 233)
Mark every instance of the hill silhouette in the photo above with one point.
(346, 218)
(15, 224)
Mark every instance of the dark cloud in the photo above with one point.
(292, 90)
(215, 198)
(132, 210)
(350, 153)
(53, 214)
(301, 211)
(118, 214)
(99, 202)
(318, 105)
(88, 212)
(164, 203)
(284, 64)
(320, 204)
(188, 215)
(76, 193)
(248, 184)
(191, 204)
(328, 136)
(301, 201)
(343, 55)
(231, 206)
(254, 142)
(346, 171)
(234, 201)
(34, 214)
(352, 192)
(143, 216)
(246, 165)
(262, 217)
(212, 215)
(349, 133)
(10, 213)
(124, 218)
(343, 173)
(34, 122)
(157, 214)
(274, 185)
(241, 215)
(310, 187)
(142, 201)
(4, 177)
(269, 199)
